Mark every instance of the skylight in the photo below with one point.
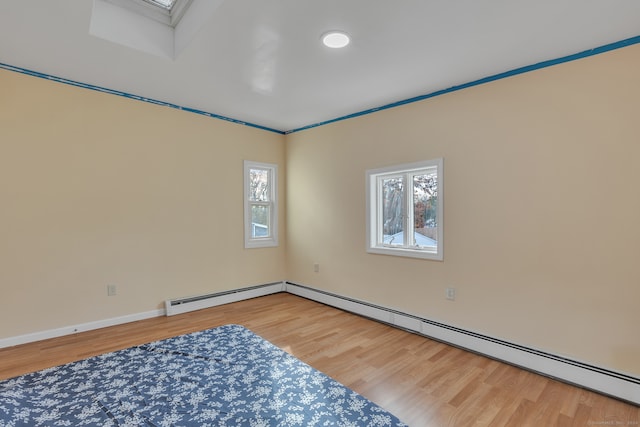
(167, 12)
(151, 26)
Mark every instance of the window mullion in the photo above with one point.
(409, 238)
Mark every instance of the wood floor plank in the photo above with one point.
(424, 382)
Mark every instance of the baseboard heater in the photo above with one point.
(183, 305)
(616, 384)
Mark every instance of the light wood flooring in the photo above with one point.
(423, 382)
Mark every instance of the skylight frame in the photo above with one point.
(156, 9)
(165, 4)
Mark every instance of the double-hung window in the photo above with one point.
(260, 205)
(404, 210)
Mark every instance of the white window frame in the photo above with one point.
(375, 238)
(272, 204)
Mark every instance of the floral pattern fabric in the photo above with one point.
(226, 376)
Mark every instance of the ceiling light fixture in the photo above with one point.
(335, 39)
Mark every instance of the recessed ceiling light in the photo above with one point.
(335, 39)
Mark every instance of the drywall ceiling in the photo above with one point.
(262, 62)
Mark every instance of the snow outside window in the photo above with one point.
(404, 210)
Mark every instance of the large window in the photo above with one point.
(260, 205)
(404, 210)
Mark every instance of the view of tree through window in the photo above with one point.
(260, 204)
(393, 209)
(425, 204)
(405, 210)
(259, 192)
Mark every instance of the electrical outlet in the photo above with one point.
(450, 294)
(111, 290)
(316, 268)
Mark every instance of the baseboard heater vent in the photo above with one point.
(184, 305)
(616, 384)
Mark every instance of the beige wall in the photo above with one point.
(541, 201)
(541, 207)
(97, 189)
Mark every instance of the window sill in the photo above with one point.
(406, 252)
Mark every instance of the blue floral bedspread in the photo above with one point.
(227, 376)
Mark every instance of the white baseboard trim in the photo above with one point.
(180, 306)
(616, 384)
(613, 383)
(74, 329)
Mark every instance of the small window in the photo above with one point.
(260, 205)
(404, 210)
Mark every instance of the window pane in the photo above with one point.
(259, 221)
(259, 185)
(425, 208)
(392, 211)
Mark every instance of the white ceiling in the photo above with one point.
(261, 61)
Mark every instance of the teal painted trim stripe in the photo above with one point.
(521, 70)
(131, 96)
